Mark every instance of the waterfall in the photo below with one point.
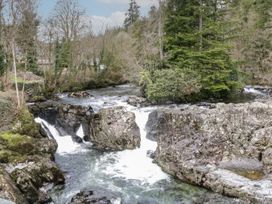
(135, 164)
(65, 143)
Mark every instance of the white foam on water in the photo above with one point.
(80, 132)
(253, 91)
(135, 164)
(65, 143)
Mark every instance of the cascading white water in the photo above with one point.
(135, 164)
(254, 91)
(65, 143)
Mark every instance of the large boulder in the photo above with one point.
(115, 129)
(8, 190)
(226, 148)
(32, 175)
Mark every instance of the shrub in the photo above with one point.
(171, 84)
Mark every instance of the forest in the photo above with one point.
(181, 51)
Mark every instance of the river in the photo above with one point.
(131, 173)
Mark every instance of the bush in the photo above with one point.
(171, 84)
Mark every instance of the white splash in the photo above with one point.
(253, 91)
(80, 132)
(135, 164)
(65, 143)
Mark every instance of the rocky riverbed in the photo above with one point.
(223, 147)
(110, 144)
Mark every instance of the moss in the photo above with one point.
(18, 143)
(7, 156)
(27, 125)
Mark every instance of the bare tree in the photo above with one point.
(13, 16)
(68, 19)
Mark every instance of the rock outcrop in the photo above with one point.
(32, 175)
(8, 190)
(138, 101)
(115, 129)
(226, 148)
(109, 129)
(26, 159)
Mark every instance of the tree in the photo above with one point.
(68, 19)
(195, 41)
(132, 14)
(27, 33)
(2, 51)
(253, 43)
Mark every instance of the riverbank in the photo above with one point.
(26, 156)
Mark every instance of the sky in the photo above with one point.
(103, 13)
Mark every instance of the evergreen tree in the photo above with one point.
(195, 42)
(62, 56)
(132, 14)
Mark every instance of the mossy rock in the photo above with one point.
(18, 143)
(26, 124)
(7, 156)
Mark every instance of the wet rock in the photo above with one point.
(8, 190)
(80, 94)
(96, 197)
(155, 125)
(30, 176)
(115, 129)
(138, 101)
(250, 168)
(225, 148)
(71, 117)
(150, 154)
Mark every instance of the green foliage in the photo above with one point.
(172, 84)
(31, 59)
(132, 14)
(195, 46)
(62, 57)
(26, 124)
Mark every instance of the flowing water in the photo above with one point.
(130, 173)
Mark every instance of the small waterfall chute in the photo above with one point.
(65, 143)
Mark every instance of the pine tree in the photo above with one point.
(195, 41)
(62, 57)
(132, 14)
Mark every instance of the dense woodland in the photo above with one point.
(183, 50)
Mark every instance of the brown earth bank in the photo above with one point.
(222, 147)
(26, 156)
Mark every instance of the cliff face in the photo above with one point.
(223, 147)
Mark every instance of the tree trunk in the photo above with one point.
(15, 73)
(201, 25)
(160, 31)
